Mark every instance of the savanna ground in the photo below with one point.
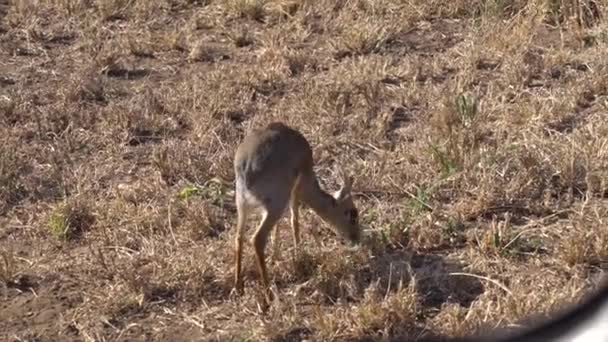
(476, 131)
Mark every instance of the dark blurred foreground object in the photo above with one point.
(585, 321)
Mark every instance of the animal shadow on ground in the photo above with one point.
(441, 282)
(437, 281)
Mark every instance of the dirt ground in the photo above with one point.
(476, 132)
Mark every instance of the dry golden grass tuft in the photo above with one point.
(475, 130)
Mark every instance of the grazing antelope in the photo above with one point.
(274, 168)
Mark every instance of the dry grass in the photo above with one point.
(475, 129)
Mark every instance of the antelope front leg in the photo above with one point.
(295, 223)
(294, 205)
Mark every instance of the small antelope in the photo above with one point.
(274, 167)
